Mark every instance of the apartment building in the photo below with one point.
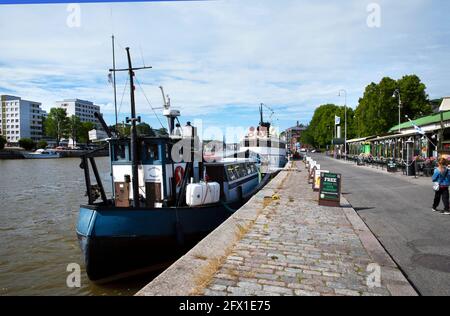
(83, 109)
(20, 118)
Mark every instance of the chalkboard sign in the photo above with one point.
(330, 189)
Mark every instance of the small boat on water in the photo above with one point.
(42, 154)
(166, 198)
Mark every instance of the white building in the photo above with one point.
(20, 118)
(83, 109)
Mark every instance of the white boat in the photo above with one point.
(264, 142)
(42, 154)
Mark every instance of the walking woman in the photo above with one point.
(441, 178)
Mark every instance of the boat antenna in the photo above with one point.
(133, 120)
(114, 77)
(261, 114)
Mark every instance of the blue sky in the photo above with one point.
(218, 60)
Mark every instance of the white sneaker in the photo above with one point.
(436, 210)
(445, 212)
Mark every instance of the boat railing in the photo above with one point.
(93, 191)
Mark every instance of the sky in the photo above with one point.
(218, 60)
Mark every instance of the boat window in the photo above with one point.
(231, 173)
(237, 171)
(120, 152)
(150, 153)
(249, 168)
(243, 170)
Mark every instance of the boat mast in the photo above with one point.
(134, 153)
(133, 120)
(114, 79)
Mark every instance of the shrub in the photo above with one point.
(2, 142)
(42, 144)
(27, 143)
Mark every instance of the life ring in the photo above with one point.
(179, 175)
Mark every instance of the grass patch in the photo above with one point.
(213, 265)
(207, 273)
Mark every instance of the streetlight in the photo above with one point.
(397, 93)
(345, 114)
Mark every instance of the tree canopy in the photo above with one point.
(320, 131)
(142, 129)
(377, 111)
(57, 124)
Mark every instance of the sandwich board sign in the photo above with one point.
(316, 183)
(312, 164)
(330, 189)
(312, 172)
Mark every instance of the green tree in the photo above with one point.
(56, 124)
(123, 130)
(2, 142)
(415, 102)
(143, 129)
(83, 135)
(321, 130)
(74, 127)
(42, 144)
(27, 143)
(377, 110)
(162, 131)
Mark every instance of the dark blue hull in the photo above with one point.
(117, 240)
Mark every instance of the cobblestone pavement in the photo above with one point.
(296, 247)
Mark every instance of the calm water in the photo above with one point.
(39, 202)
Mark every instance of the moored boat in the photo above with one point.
(165, 199)
(264, 142)
(42, 154)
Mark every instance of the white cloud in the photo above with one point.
(293, 55)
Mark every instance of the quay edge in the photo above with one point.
(181, 278)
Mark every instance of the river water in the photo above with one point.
(39, 200)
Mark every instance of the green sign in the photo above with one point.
(330, 189)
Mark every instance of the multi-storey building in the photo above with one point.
(83, 109)
(293, 135)
(20, 118)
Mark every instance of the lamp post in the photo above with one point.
(397, 93)
(345, 118)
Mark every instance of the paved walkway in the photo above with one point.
(397, 209)
(282, 243)
(296, 247)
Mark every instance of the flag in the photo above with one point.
(418, 129)
(337, 120)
